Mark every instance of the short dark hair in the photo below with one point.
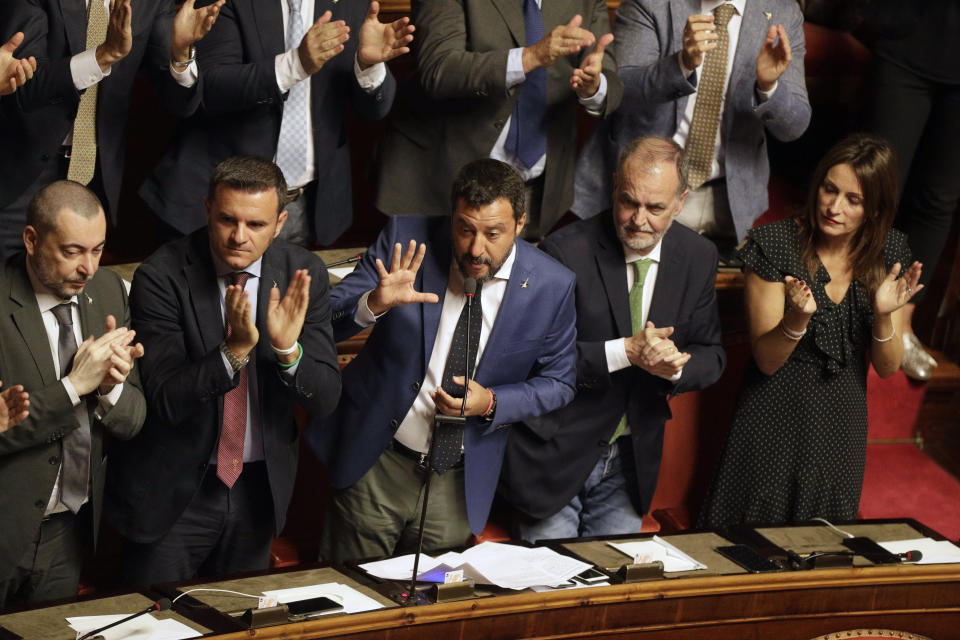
(250, 174)
(56, 196)
(485, 181)
(653, 149)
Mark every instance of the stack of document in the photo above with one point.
(146, 627)
(352, 600)
(934, 551)
(504, 565)
(645, 551)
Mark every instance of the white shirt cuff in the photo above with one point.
(370, 78)
(515, 74)
(289, 70)
(676, 376)
(186, 78)
(594, 104)
(766, 95)
(616, 351)
(364, 317)
(71, 392)
(85, 70)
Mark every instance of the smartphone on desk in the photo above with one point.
(311, 607)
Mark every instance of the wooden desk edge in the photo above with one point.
(615, 594)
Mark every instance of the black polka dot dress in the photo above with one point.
(797, 444)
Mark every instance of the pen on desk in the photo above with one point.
(350, 260)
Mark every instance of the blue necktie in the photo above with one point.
(527, 138)
(292, 144)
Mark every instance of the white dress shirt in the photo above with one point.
(515, 76)
(46, 302)
(417, 426)
(733, 37)
(290, 71)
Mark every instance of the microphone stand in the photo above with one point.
(412, 597)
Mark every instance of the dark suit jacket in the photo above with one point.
(528, 360)
(549, 458)
(454, 108)
(176, 313)
(649, 36)
(243, 107)
(30, 452)
(41, 113)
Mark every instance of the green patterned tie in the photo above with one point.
(83, 154)
(636, 320)
(706, 111)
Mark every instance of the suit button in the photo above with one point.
(394, 423)
(40, 504)
(415, 386)
(481, 92)
(603, 443)
(498, 124)
(54, 460)
(44, 157)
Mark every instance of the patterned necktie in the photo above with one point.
(640, 267)
(706, 111)
(527, 137)
(234, 427)
(448, 443)
(83, 153)
(76, 445)
(294, 127)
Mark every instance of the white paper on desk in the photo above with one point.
(659, 549)
(504, 565)
(341, 272)
(934, 551)
(352, 600)
(146, 627)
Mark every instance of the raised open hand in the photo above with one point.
(893, 293)
(586, 78)
(382, 42)
(285, 317)
(396, 286)
(774, 58)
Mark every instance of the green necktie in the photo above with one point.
(83, 152)
(636, 319)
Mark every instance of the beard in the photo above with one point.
(639, 244)
(492, 267)
(48, 277)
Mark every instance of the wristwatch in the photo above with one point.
(235, 362)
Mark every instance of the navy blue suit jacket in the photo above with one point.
(529, 360)
(243, 107)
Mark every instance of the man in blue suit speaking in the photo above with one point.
(522, 331)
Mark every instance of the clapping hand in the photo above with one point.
(14, 72)
(775, 56)
(382, 42)
(396, 286)
(699, 36)
(659, 355)
(322, 42)
(119, 39)
(190, 25)
(122, 360)
(893, 293)
(563, 40)
(285, 317)
(13, 406)
(586, 78)
(799, 296)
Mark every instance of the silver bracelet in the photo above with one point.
(876, 339)
(790, 333)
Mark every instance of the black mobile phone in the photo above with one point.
(300, 609)
(747, 558)
(591, 576)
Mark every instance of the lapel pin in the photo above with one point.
(275, 285)
(766, 13)
(89, 299)
(523, 285)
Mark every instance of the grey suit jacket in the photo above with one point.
(453, 109)
(30, 452)
(649, 36)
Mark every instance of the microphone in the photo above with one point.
(160, 605)
(470, 289)
(910, 556)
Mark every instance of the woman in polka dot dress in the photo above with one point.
(823, 295)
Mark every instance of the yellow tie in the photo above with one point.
(83, 154)
(706, 112)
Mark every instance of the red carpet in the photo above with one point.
(901, 482)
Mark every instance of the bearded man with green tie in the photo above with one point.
(647, 329)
